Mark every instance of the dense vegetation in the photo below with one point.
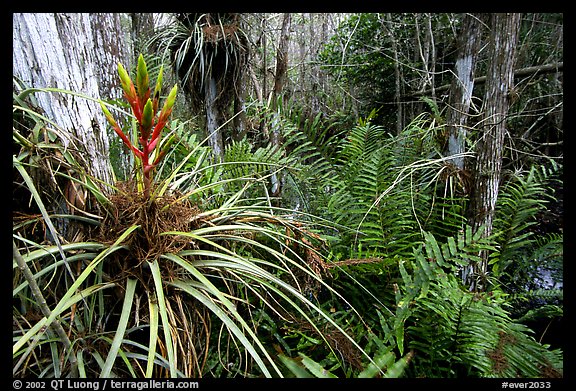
(327, 239)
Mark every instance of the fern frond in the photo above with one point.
(455, 332)
(518, 204)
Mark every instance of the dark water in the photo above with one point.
(549, 327)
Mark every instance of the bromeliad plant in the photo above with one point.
(150, 122)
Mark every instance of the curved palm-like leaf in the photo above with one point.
(258, 274)
(204, 46)
(158, 285)
(240, 244)
(119, 335)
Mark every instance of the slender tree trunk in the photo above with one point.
(321, 75)
(387, 25)
(426, 52)
(264, 58)
(214, 134)
(240, 128)
(500, 78)
(80, 53)
(462, 86)
(432, 66)
(142, 28)
(315, 84)
(262, 89)
(256, 84)
(302, 88)
(281, 66)
(279, 81)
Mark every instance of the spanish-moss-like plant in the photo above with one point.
(209, 54)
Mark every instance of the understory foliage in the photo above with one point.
(401, 239)
(175, 279)
(471, 334)
(353, 272)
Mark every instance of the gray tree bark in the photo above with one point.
(397, 74)
(280, 74)
(212, 127)
(490, 147)
(279, 81)
(79, 53)
(462, 85)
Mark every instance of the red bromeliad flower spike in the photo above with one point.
(144, 109)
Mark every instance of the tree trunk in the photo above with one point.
(142, 28)
(279, 81)
(425, 52)
(321, 73)
(304, 44)
(490, 147)
(240, 119)
(314, 71)
(214, 134)
(397, 75)
(76, 52)
(281, 65)
(462, 86)
(264, 25)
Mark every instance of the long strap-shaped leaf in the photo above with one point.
(35, 333)
(272, 283)
(42, 252)
(153, 305)
(155, 268)
(41, 301)
(64, 302)
(218, 311)
(50, 269)
(262, 275)
(121, 330)
(42, 208)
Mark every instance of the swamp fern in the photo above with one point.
(454, 332)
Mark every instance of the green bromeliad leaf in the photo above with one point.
(142, 79)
